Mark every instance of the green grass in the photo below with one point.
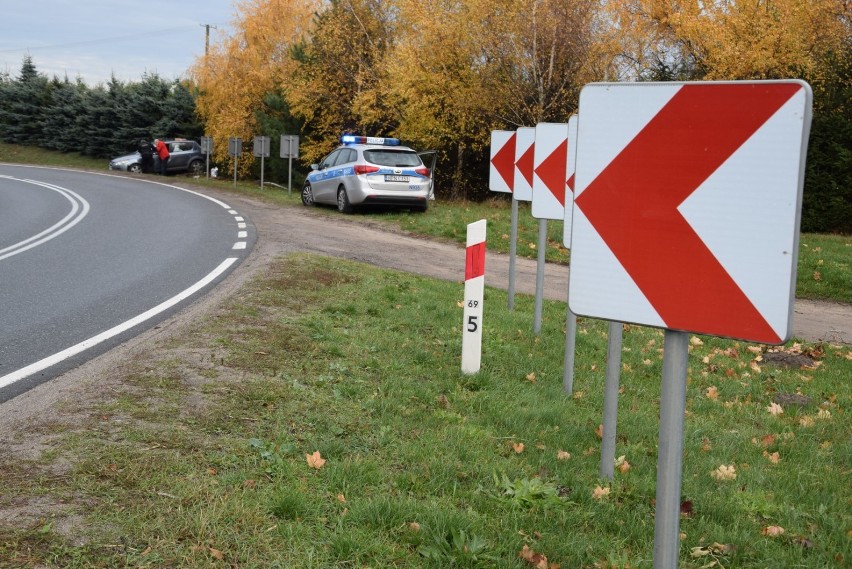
(198, 458)
(825, 261)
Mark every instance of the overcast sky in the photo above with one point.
(95, 39)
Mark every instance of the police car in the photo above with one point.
(366, 170)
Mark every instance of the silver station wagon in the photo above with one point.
(367, 170)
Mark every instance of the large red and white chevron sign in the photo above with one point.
(687, 205)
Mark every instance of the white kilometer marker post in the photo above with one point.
(474, 289)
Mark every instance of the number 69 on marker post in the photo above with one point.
(474, 288)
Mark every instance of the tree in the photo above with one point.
(25, 100)
(335, 85)
(239, 71)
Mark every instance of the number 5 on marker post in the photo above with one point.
(474, 288)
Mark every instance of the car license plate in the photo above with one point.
(390, 178)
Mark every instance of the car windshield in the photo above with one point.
(387, 157)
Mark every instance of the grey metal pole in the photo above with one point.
(670, 453)
(261, 171)
(513, 249)
(610, 416)
(236, 159)
(570, 349)
(208, 163)
(289, 174)
(539, 275)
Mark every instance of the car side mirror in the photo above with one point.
(315, 167)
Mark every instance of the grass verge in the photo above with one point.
(319, 419)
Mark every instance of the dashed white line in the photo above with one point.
(240, 245)
(241, 225)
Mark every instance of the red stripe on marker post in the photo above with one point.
(474, 291)
(475, 262)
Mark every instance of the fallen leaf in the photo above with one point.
(773, 531)
(518, 447)
(705, 445)
(824, 414)
(341, 498)
(599, 431)
(600, 492)
(563, 455)
(212, 471)
(775, 409)
(216, 554)
(315, 460)
(579, 394)
(774, 457)
(724, 472)
(414, 526)
(686, 508)
(249, 484)
(460, 304)
(622, 465)
(806, 421)
(531, 377)
(536, 560)
(696, 341)
(712, 393)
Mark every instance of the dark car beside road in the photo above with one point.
(185, 156)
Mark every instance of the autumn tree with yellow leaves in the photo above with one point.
(443, 74)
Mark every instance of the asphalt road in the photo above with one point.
(88, 260)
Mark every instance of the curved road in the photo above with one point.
(89, 260)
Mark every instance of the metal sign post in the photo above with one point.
(289, 150)
(235, 148)
(610, 417)
(207, 149)
(260, 148)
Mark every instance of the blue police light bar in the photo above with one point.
(352, 139)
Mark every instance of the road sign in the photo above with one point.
(501, 176)
(524, 149)
(550, 171)
(207, 145)
(474, 291)
(289, 146)
(260, 147)
(569, 190)
(687, 205)
(235, 146)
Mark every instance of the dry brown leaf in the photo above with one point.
(599, 431)
(536, 560)
(531, 377)
(774, 457)
(600, 492)
(216, 554)
(773, 531)
(341, 498)
(315, 460)
(712, 393)
(724, 473)
(518, 447)
(563, 455)
(775, 409)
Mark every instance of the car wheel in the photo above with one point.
(196, 167)
(343, 205)
(135, 168)
(307, 195)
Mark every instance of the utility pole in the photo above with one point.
(207, 37)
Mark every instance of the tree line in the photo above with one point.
(443, 74)
(101, 121)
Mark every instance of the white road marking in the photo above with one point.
(240, 245)
(58, 357)
(241, 225)
(242, 234)
(238, 218)
(79, 210)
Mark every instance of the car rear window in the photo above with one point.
(388, 157)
